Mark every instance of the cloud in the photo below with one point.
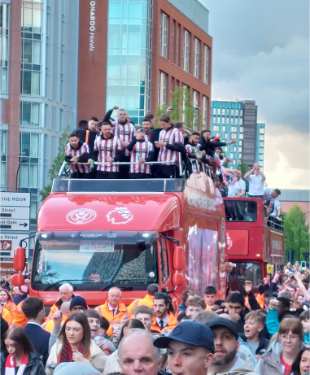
(276, 80)
(288, 159)
(261, 52)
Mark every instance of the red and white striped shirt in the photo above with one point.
(71, 152)
(170, 136)
(140, 151)
(125, 133)
(107, 149)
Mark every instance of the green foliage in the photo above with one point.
(296, 233)
(57, 163)
(182, 108)
(188, 109)
(243, 168)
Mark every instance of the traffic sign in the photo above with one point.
(14, 224)
(18, 213)
(9, 242)
(12, 199)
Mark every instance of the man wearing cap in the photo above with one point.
(227, 359)
(190, 348)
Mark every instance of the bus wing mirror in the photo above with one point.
(179, 258)
(19, 262)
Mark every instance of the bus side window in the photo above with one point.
(164, 260)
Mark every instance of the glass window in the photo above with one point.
(205, 110)
(30, 113)
(3, 161)
(206, 64)
(30, 82)
(163, 83)
(245, 271)
(125, 259)
(164, 35)
(186, 51)
(197, 58)
(196, 109)
(164, 260)
(240, 210)
(4, 47)
(25, 144)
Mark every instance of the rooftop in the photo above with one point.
(292, 195)
(195, 11)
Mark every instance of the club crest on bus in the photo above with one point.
(119, 215)
(81, 216)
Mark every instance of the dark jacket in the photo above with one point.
(39, 339)
(34, 367)
(210, 146)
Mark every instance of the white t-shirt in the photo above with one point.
(235, 188)
(256, 184)
(276, 208)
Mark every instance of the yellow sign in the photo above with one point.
(270, 268)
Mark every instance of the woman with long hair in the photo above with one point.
(302, 363)
(20, 358)
(290, 337)
(75, 345)
(7, 306)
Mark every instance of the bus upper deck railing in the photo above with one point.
(147, 185)
(63, 182)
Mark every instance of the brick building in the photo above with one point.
(134, 53)
(63, 61)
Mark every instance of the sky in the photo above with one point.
(261, 52)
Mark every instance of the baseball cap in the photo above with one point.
(188, 332)
(222, 322)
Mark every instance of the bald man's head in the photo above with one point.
(114, 296)
(138, 355)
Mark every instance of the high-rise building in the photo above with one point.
(38, 86)
(260, 144)
(63, 61)
(237, 120)
(134, 53)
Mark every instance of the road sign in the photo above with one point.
(18, 213)
(9, 242)
(12, 199)
(14, 224)
(14, 211)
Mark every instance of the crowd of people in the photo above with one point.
(258, 329)
(115, 148)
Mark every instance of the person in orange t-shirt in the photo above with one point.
(113, 310)
(164, 320)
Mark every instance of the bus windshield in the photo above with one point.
(94, 261)
(245, 271)
(238, 210)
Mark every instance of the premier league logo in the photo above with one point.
(119, 215)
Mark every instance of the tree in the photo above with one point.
(296, 234)
(57, 163)
(182, 108)
(243, 168)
